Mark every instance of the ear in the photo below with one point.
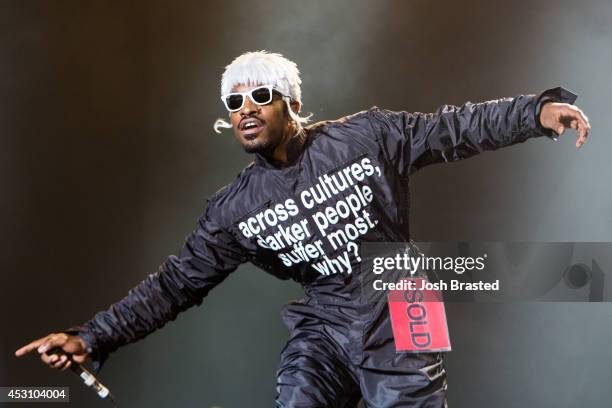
(295, 106)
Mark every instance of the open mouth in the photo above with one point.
(251, 127)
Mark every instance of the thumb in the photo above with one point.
(79, 358)
(560, 129)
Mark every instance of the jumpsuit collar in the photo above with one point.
(295, 147)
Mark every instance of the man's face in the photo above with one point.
(271, 123)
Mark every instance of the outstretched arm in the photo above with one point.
(208, 256)
(414, 140)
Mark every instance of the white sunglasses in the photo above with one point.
(262, 95)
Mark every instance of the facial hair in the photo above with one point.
(265, 148)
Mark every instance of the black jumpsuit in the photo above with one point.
(346, 184)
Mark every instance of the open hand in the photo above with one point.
(560, 116)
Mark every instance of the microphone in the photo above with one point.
(87, 377)
(91, 381)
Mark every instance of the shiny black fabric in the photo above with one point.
(339, 354)
(340, 347)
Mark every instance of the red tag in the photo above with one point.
(418, 317)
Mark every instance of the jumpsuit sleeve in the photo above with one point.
(207, 257)
(414, 140)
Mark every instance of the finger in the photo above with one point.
(584, 133)
(574, 124)
(584, 129)
(79, 358)
(29, 347)
(582, 118)
(59, 363)
(54, 340)
(47, 359)
(574, 117)
(68, 364)
(581, 139)
(582, 115)
(582, 122)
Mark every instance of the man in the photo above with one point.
(298, 211)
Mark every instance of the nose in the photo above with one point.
(249, 107)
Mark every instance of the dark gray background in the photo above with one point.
(108, 155)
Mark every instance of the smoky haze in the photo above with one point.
(108, 156)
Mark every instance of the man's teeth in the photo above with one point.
(250, 125)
